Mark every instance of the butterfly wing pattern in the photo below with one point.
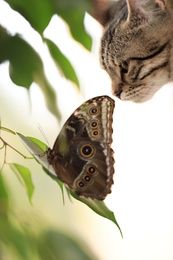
(82, 156)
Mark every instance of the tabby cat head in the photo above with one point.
(136, 48)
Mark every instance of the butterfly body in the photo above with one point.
(82, 156)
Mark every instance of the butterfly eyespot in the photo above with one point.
(94, 124)
(80, 184)
(95, 133)
(91, 169)
(94, 110)
(87, 178)
(87, 150)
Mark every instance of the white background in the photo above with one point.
(142, 193)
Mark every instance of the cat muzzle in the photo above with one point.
(117, 90)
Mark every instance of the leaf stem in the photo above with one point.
(7, 130)
(6, 144)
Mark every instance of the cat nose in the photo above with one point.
(118, 89)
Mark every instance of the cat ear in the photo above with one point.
(161, 3)
(135, 8)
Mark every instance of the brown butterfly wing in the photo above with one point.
(82, 156)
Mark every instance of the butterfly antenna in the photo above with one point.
(43, 134)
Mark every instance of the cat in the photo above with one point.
(137, 46)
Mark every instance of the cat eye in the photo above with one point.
(124, 66)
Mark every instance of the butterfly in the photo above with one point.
(82, 156)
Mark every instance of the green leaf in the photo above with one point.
(26, 67)
(73, 13)
(62, 62)
(42, 145)
(38, 14)
(55, 178)
(18, 243)
(41, 156)
(99, 207)
(37, 152)
(56, 245)
(4, 198)
(24, 176)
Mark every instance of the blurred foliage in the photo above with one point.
(38, 14)
(17, 240)
(59, 246)
(22, 241)
(63, 63)
(26, 65)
